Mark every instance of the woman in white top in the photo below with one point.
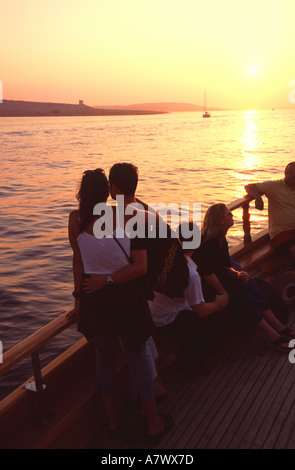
(120, 307)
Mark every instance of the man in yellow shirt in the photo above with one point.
(281, 208)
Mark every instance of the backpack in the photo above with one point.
(168, 271)
(167, 265)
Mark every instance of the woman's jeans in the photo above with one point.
(140, 371)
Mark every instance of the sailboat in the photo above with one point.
(206, 114)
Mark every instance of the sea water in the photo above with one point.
(182, 158)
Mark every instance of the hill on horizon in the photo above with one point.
(31, 108)
(11, 108)
(166, 107)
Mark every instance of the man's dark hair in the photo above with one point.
(125, 177)
(288, 166)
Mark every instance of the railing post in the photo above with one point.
(38, 388)
(246, 224)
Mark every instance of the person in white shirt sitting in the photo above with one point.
(190, 320)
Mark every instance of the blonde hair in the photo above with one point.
(212, 224)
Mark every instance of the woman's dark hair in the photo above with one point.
(289, 165)
(94, 188)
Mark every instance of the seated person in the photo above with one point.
(281, 208)
(189, 319)
(245, 298)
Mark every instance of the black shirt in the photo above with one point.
(212, 257)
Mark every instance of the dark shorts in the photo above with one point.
(117, 310)
(283, 241)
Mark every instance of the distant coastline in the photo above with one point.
(162, 107)
(10, 108)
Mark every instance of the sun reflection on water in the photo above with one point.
(251, 141)
(247, 169)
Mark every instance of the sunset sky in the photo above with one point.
(137, 51)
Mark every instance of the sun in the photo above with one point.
(252, 70)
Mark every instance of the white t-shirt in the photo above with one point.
(104, 255)
(164, 309)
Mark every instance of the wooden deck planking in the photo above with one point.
(282, 431)
(198, 408)
(240, 414)
(221, 405)
(246, 401)
(268, 404)
(290, 425)
(230, 412)
(284, 437)
(260, 379)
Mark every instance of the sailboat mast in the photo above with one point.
(205, 112)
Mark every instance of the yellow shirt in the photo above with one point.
(281, 206)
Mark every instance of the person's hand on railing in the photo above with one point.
(74, 313)
(259, 204)
(243, 276)
(252, 190)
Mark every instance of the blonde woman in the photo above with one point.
(245, 298)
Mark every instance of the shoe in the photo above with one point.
(138, 429)
(277, 344)
(113, 433)
(161, 398)
(155, 439)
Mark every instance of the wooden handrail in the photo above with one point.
(243, 201)
(26, 347)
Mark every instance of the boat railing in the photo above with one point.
(244, 203)
(33, 343)
(31, 346)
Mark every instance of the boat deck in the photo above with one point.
(245, 402)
